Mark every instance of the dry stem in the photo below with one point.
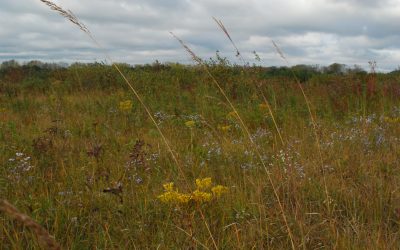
(47, 241)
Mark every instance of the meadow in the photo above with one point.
(82, 158)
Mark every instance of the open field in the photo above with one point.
(81, 157)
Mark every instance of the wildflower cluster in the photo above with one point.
(204, 193)
(171, 195)
(160, 117)
(288, 160)
(125, 105)
(19, 165)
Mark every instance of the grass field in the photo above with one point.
(213, 155)
(80, 156)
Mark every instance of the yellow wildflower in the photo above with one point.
(173, 196)
(200, 196)
(203, 184)
(392, 120)
(190, 124)
(125, 105)
(2, 110)
(183, 198)
(219, 190)
(169, 186)
(225, 128)
(167, 197)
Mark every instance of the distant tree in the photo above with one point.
(9, 64)
(356, 69)
(278, 71)
(335, 69)
(35, 63)
(395, 72)
(304, 72)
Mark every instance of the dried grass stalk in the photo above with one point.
(279, 51)
(191, 53)
(67, 14)
(238, 54)
(45, 239)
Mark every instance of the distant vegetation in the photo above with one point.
(39, 75)
(304, 72)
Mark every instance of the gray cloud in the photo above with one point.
(312, 32)
(366, 3)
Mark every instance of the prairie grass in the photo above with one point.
(81, 143)
(88, 160)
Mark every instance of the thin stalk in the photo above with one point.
(273, 118)
(238, 54)
(327, 198)
(47, 241)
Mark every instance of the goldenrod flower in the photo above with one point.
(125, 105)
(200, 196)
(183, 198)
(173, 196)
(169, 186)
(203, 184)
(169, 197)
(225, 128)
(190, 124)
(166, 197)
(392, 120)
(219, 190)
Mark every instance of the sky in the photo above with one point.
(314, 32)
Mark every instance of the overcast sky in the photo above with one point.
(137, 31)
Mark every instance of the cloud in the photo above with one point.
(313, 31)
(365, 3)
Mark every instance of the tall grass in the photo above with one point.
(60, 129)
